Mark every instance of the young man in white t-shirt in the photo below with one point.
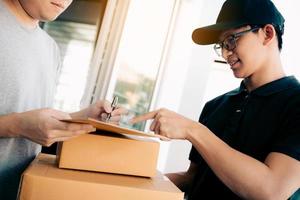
(29, 66)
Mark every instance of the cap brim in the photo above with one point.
(210, 34)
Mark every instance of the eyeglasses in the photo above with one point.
(229, 43)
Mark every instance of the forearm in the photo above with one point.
(247, 177)
(9, 125)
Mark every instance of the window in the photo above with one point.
(139, 55)
(75, 33)
(76, 42)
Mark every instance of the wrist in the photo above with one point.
(194, 131)
(14, 125)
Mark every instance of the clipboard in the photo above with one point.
(99, 125)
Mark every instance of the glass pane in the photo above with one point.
(76, 43)
(139, 55)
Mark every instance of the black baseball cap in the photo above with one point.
(238, 13)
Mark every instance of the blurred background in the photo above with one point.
(142, 52)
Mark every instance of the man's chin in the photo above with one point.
(48, 18)
(238, 75)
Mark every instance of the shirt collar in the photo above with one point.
(269, 88)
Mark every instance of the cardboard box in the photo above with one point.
(112, 153)
(42, 180)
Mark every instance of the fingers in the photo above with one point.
(153, 124)
(60, 135)
(61, 139)
(67, 126)
(103, 105)
(157, 122)
(101, 109)
(115, 118)
(115, 122)
(144, 117)
(103, 117)
(119, 111)
(107, 106)
(157, 129)
(163, 138)
(78, 127)
(53, 134)
(114, 115)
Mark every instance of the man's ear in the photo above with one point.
(269, 34)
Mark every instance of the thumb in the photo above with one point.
(107, 107)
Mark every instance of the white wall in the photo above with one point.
(188, 69)
(291, 42)
(185, 76)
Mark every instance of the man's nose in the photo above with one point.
(226, 53)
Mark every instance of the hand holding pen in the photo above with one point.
(114, 104)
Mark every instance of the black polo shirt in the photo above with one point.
(255, 123)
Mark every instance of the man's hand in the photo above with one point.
(168, 123)
(43, 126)
(100, 111)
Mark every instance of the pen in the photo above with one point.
(113, 105)
(220, 61)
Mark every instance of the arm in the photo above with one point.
(8, 125)
(183, 179)
(42, 126)
(276, 178)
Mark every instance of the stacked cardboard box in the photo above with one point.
(111, 149)
(112, 153)
(43, 180)
(100, 166)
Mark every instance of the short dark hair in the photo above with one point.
(279, 33)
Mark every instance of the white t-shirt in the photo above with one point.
(29, 66)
